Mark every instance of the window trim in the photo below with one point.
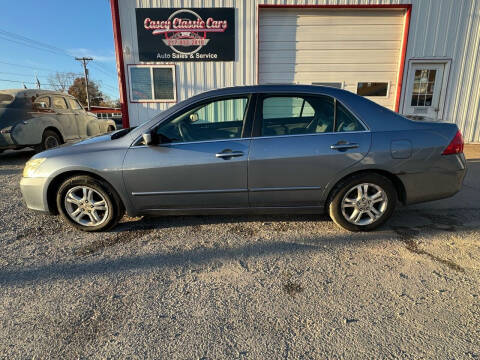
(374, 97)
(258, 120)
(151, 67)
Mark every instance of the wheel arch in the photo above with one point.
(399, 186)
(57, 131)
(54, 185)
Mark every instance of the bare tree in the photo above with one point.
(61, 81)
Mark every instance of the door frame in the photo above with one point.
(447, 62)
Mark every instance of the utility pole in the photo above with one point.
(85, 61)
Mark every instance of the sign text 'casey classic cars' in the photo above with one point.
(201, 34)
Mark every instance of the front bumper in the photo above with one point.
(34, 191)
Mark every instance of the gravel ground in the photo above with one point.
(262, 287)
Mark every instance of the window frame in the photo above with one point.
(151, 67)
(374, 97)
(247, 126)
(258, 122)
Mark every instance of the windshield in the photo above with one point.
(6, 99)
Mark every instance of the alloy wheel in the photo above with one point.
(364, 204)
(86, 206)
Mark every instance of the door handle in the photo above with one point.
(227, 154)
(344, 146)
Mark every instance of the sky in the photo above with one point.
(60, 30)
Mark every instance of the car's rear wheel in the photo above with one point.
(362, 202)
(89, 204)
(110, 129)
(50, 140)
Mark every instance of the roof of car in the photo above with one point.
(33, 92)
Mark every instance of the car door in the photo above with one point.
(79, 114)
(66, 117)
(301, 142)
(198, 159)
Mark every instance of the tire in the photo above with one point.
(50, 139)
(347, 198)
(110, 129)
(83, 207)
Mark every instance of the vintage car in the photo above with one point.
(44, 119)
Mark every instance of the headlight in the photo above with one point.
(31, 166)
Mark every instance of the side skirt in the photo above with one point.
(237, 211)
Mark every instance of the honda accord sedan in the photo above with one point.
(257, 149)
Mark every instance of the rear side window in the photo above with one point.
(286, 115)
(43, 102)
(346, 121)
(59, 103)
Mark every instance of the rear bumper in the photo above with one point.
(441, 180)
(34, 191)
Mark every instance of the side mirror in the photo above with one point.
(147, 138)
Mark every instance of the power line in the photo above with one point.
(21, 82)
(25, 41)
(26, 75)
(28, 67)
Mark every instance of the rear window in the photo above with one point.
(6, 99)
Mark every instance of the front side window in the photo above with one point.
(59, 103)
(220, 119)
(286, 115)
(74, 104)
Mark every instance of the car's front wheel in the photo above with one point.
(362, 202)
(89, 204)
(50, 140)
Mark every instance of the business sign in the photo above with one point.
(201, 34)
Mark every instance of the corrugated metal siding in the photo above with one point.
(439, 28)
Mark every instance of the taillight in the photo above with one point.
(455, 146)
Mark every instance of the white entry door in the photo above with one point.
(424, 91)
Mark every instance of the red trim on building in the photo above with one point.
(117, 35)
(407, 7)
(403, 57)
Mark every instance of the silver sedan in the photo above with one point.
(259, 149)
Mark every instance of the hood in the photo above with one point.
(92, 144)
(94, 139)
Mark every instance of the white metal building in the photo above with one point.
(418, 57)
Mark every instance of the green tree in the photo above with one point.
(78, 90)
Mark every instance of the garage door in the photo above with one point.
(358, 50)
